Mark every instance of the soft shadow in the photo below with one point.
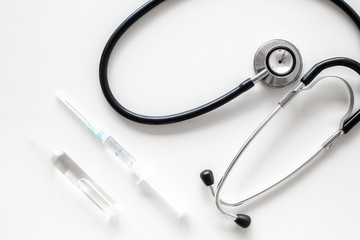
(178, 216)
(112, 220)
(240, 106)
(284, 187)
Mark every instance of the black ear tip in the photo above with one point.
(243, 220)
(207, 177)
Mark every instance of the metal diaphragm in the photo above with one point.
(281, 59)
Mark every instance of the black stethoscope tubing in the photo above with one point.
(243, 87)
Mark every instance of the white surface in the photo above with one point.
(182, 54)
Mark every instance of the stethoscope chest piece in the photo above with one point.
(281, 59)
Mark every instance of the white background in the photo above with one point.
(181, 55)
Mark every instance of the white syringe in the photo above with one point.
(115, 148)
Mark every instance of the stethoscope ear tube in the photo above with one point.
(332, 62)
(348, 10)
(155, 120)
(328, 63)
(351, 122)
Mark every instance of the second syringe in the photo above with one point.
(115, 148)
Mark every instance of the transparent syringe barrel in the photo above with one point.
(127, 159)
(119, 151)
(83, 181)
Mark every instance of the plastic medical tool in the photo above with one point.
(81, 180)
(120, 153)
(277, 64)
(307, 82)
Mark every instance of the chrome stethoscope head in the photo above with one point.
(280, 60)
(307, 82)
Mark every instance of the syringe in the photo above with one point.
(115, 148)
(80, 179)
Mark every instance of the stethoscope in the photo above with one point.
(277, 63)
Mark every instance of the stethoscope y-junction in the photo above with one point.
(277, 63)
